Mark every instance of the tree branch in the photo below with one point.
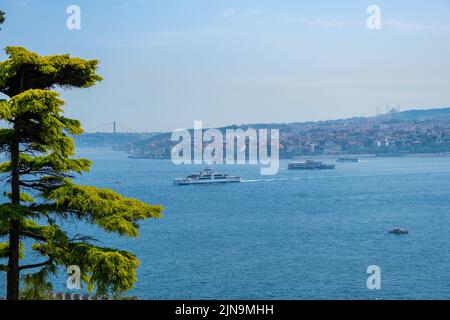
(32, 235)
(36, 265)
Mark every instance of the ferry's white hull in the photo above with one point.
(188, 182)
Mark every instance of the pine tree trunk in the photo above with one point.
(13, 263)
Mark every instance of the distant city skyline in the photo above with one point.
(168, 63)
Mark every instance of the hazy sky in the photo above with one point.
(168, 63)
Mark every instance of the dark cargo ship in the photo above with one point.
(310, 165)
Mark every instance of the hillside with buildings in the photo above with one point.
(393, 133)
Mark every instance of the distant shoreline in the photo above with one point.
(418, 155)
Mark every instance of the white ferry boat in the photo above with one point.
(206, 176)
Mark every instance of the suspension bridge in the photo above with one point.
(112, 127)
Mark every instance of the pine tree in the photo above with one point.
(40, 172)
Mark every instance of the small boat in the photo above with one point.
(310, 165)
(206, 176)
(345, 159)
(399, 230)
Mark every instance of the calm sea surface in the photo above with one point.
(296, 235)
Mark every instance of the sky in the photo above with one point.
(167, 63)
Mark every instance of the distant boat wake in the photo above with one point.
(344, 177)
(272, 180)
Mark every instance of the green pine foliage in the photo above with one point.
(40, 171)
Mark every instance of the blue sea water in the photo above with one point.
(296, 235)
